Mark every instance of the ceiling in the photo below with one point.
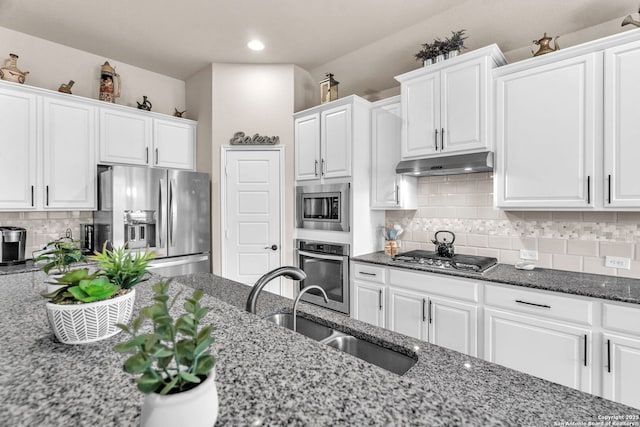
(363, 42)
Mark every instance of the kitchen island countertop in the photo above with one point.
(268, 375)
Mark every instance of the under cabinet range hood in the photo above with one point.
(448, 165)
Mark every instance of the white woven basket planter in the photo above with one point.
(94, 321)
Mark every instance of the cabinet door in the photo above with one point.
(368, 303)
(621, 131)
(335, 142)
(553, 351)
(453, 325)
(408, 313)
(18, 145)
(421, 112)
(69, 136)
(386, 127)
(174, 144)
(621, 377)
(464, 107)
(307, 145)
(548, 118)
(124, 137)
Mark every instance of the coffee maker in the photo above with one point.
(12, 244)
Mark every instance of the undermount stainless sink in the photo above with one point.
(375, 354)
(386, 358)
(304, 326)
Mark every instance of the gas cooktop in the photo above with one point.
(477, 264)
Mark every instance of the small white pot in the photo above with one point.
(197, 407)
(439, 58)
(89, 322)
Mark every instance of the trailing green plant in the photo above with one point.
(456, 41)
(121, 267)
(60, 254)
(175, 357)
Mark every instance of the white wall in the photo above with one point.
(50, 64)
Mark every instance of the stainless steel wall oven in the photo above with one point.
(327, 266)
(323, 207)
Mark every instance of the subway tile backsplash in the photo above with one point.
(574, 241)
(42, 227)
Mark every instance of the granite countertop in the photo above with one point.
(26, 267)
(589, 285)
(268, 375)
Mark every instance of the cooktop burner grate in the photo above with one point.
(472, 263)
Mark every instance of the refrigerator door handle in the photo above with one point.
(160, 216)
(171, 213)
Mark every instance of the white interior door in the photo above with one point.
(252, 216)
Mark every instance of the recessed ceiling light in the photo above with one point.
(255, 45)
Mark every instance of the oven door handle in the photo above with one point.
(321, 256)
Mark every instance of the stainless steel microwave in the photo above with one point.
(323, 207)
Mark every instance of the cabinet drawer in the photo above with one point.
(436, 284)
(369, 273)
(541, 303)
(621, 318)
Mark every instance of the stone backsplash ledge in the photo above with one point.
(43, 227)
(573, 241)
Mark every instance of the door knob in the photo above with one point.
(272, 247)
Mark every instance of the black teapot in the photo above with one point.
(443, 247)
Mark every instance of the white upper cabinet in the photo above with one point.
(335, 142)
(324, 138)
(141, 138)
(125, 137)
(621, 126)
(69, 164)
(548, 119)
(445, 105)
(174, 144)
(307, 137)
(18, 145)
(567, 128)
(388, 189)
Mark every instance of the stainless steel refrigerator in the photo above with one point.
(164, 210)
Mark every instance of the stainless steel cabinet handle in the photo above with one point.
(397, 194)
(442, 139)
(146, 149)
(533, 304)
(608, 355)
(424, 314)
(272, 247)
(430, 316)
(585, 349)
(47, 195)
(436, 139)
(315, 168)
(32, 196)
(323, 168)
(609, 187)
(380, 299)
(367, 273)
(588, 189)
(156, 156)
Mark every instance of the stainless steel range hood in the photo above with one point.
(448, 165)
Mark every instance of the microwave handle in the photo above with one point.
(321, 256)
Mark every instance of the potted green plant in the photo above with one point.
(174, 362)
(87, 306)
(455, 43)
(60, 255)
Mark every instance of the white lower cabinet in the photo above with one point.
(441, 321)
(368, 302)
(621, 376)
(621, 353)
(550, 350)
